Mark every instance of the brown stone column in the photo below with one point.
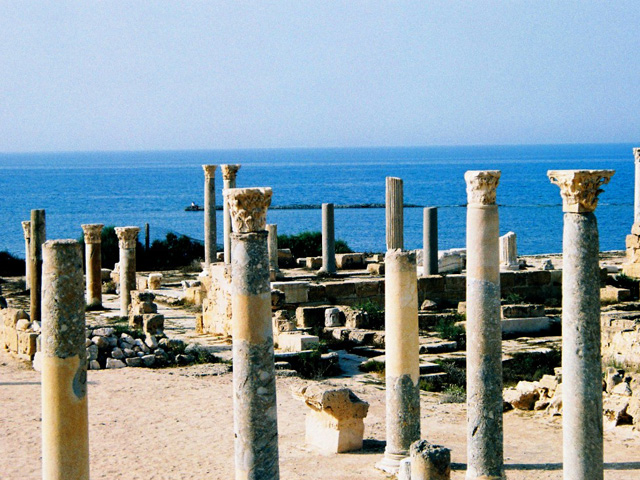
(394, 213)
(93, 260)
(484, 329)
(65, 431)
(255, 408)
(229, 173)
(38, 237)
(127, 240)
(582, 443)
(26, 229)
(210, 236)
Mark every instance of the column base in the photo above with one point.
(94, 306)
(390, 463)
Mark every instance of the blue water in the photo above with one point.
(133, 188)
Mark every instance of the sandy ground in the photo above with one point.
(177, 423)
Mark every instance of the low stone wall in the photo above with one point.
(621, 339)
(18, 334)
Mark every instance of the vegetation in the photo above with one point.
(512, 298)
(448, 330)
(454, 383)
(373, 366)
(308, 244)
(11, 266)
(375, 314)
(311, 365)
(530, 366)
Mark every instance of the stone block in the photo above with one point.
(538, 278)
(368, 288)
(141, 284)
(152, 324)
(375, 268)
(294, 292)
(338, 290)
(450, 262)
(525, 310)
(316, 293)
(11, 316)
(105, 274)
(526, 326)
(311, 317)
(350, 261)
(285, 258)
(354, 318)
(313, 263)
(455, 282)
(296, 341)
(611, 294)
(431, 284)
(332, 317)
(361, 337)
(633, 241)
(155, 281)
(632, 269)
(429, 462)
(11, 339)
(27, 343)
(199, 324)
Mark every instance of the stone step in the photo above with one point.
(429, 367)
(434, 377)
(439, 347)
(367, 351)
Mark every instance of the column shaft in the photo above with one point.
(394, 213)
(636, 202)
(430, 241)
(328, 240)
(93, 253)
(226, 222)
(272, 241)
(127, 241)
(209, 214)
(26, 227)
(38, 237)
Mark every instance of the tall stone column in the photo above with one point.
(229, 173)
(254, 406)
(328, 240)
(38, 237)
(581, 361)
(394, 213)
(93, 260)
(272, 242)
(484, 332)
(430, 241)
(636, 202)
(65, 425)
(210, 236)
(26, 229)
(402, 361)
(127, 240)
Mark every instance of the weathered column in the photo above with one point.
(209, 214)
(65, 426)
(509, 252)
(229, 173)
(484, 332)
(328, 240)
(127, 240)
(402, 362)
(38, 237)
(272, 243)
(93, 260)
(254, 406)
(26, 229)
(394, 213)
(581, 361)
(636, 202)
(430, 241)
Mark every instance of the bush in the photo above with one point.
(375, 314)
(11, 266)
(530, 366)
(308, 244)
(448, 330)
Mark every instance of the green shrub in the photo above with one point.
(530, 366)
(11, 266)
(454, 394)
(308, 244)
(373, 366)
(448, 330)
(375, 314)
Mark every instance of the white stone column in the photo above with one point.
(127, 240)
(581, 361)
(255, 407)
(509, 252)
(38, 237)
(484, 332)
(65, 425)
(210, 236)
(402, 365)
(93, 260)
(229, 173)
(272, 242)
(636, 199)
(328, 240)
(394, 213)
(26, 229)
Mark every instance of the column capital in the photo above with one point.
(579, 189)
(92, 232)
(127, 236)
(26, 229)
(229, 171)
(481, 186)
(209, 170)
(248, 208)
(636, 154)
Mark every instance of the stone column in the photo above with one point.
(581, 361)
(229, 173)
(509, 252)
(636, 202)
(209, 214)
(484, 332)
(430, 241)
(402, 362)
(26, 229)
(127, 240)
(254, 406)
(394, 213)
(93, 260)
(38, 237)
(328, 240)
(272, 242)
(65, 425)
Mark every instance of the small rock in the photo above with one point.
(125, 337)
(94, 365)
(140, 344)
(149, 360)
(429, 305)
(92, 352)
(151, 342)
(184, 359)
(104, 332)
(100, 342)
(117, 353)
(35, 326)
(622, 389)
(134, 362)
(87, 343)
(23, 325)
(112, 341)
(115, 363)
(614, 377)
(128, 353)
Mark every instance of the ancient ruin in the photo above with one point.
(210, 236)
(38, 237)
(93, 259)
(26, 229)
(229, 173)
(127, 241)
(328, 240)
(430, 241)
(394, 213)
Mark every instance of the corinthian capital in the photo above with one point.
(229, 171)
(92, 232)
(209, 170)
(26, 229)
(127, 236)
(636, 154)
(481, 186)
(580, 188)
(248, 208)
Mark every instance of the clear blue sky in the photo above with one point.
(145, 75)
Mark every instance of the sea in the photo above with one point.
(154, 187)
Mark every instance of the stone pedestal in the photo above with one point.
(65, 431)
(38, 237)
(229, 173)
(93, 260)
(394, 213)
(272, 243)
(127, 240)
(328, 240)
(255, 408)
(509, 252)
(26, 229)
(402, 362)
(430, 462)
(484, 332)
(430, 241)
(581, 361)
(209, 214)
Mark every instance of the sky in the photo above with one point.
(167, 75)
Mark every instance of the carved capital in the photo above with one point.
(209, 170)
(481, 186)
(229, 171)
(248, 208)
(636, 154)
(26, 229)
(92, 232)
(580, 188)
(127, 236)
